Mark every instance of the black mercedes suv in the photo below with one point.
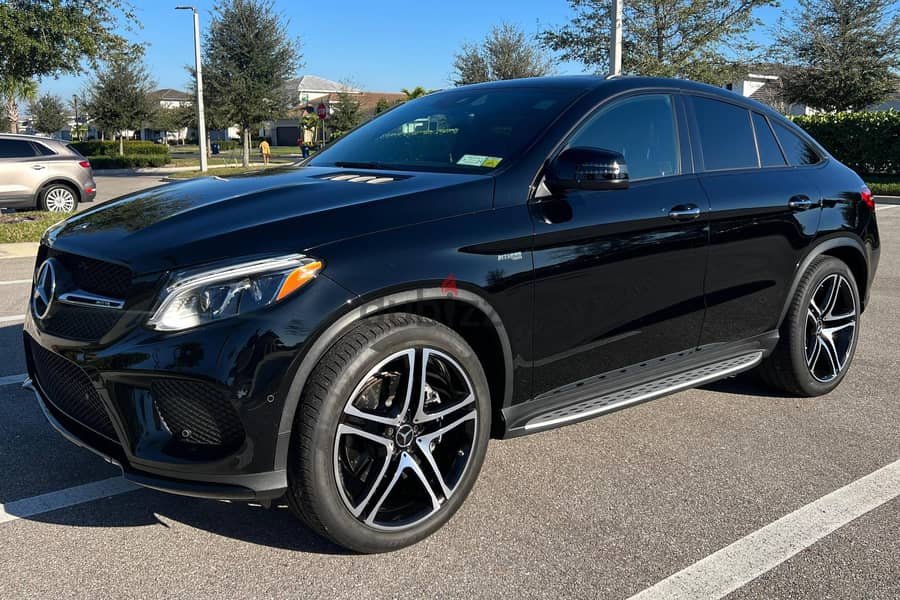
(487, 261)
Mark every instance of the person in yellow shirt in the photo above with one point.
(266, 151)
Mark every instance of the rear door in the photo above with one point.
(617, 280)
(18, 171)
(763, 213)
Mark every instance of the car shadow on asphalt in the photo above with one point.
(745, 384)
(276, 527)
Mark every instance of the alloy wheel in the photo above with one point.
(831, 321)
(405, 438)
(60, 199)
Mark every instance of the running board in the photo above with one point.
(646, 391)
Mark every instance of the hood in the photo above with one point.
(291, 210)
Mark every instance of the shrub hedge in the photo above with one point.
(867, 142)
(129, 161)
(97, 148)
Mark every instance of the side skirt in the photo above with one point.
(649, 380)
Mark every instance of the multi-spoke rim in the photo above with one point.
(60, 199)
(831, 320)
(405, 439)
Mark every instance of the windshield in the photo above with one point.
(474, 130)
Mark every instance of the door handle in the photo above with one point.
(38, 167)
(800, 203)
(684, 212)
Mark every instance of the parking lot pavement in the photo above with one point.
(113, 186)
(603, 509)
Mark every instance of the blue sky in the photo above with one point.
(379, 46)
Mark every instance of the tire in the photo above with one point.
(379, 491)
(58, 197)
(819, 333)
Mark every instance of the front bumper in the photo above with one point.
(265, 487)
(196, 413)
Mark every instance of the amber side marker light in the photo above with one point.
(297, 278)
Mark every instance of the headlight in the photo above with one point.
(200, 296)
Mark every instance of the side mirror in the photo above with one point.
(587, 169)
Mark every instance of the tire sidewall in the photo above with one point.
(810, 385)
(335, 517)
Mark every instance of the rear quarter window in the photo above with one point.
(798, 151)
(726, 136)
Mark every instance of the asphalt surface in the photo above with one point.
(602, 509)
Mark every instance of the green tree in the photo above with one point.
(382, 105)
(12, 91)
(345, 113)
(416, 92)
(120, 96)
(845, 53)
(167, 121)
(41, 38)
(704, 40)
(48, 114)
(506, 53)
(249, 58)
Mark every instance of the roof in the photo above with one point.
(170, 94)
(312, 83)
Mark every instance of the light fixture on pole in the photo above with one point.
(201, 119)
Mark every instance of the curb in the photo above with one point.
(18, 250)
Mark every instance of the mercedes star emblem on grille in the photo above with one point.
(44, 289)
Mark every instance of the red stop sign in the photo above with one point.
(322, 110)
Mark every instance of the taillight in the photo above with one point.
(86, 164)
(867, 197)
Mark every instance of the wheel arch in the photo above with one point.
(466, 312)
(849, 250)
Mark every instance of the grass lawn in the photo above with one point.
(194, 149)
(223, 172)
(27, 226)
(884, 185)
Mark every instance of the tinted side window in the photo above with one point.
(726, 137)
(797, 150)
(15, 149)
(642, 129)
(769, 152)
(43, 150)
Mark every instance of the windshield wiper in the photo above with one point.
(358, 165)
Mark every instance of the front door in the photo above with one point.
(619, 273)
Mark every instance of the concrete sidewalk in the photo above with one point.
(18, 250)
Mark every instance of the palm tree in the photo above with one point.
(14, 90)
(416, 92)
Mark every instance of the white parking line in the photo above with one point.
(15, 282)
(736, 565)
(12, 319)
(29, 507)
(886, 207)
(11, 379)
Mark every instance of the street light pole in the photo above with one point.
(201, 119)
(75, 129)
(615, 46)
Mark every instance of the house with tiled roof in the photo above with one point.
(308, 92)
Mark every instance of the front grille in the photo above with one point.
(80, 323)
(96, 276)
(196, 413)
(70, 390)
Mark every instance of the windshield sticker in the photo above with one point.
(477, 160)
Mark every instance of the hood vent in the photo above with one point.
(360, 178)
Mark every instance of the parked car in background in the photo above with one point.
(488, 261)
(43, 173)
